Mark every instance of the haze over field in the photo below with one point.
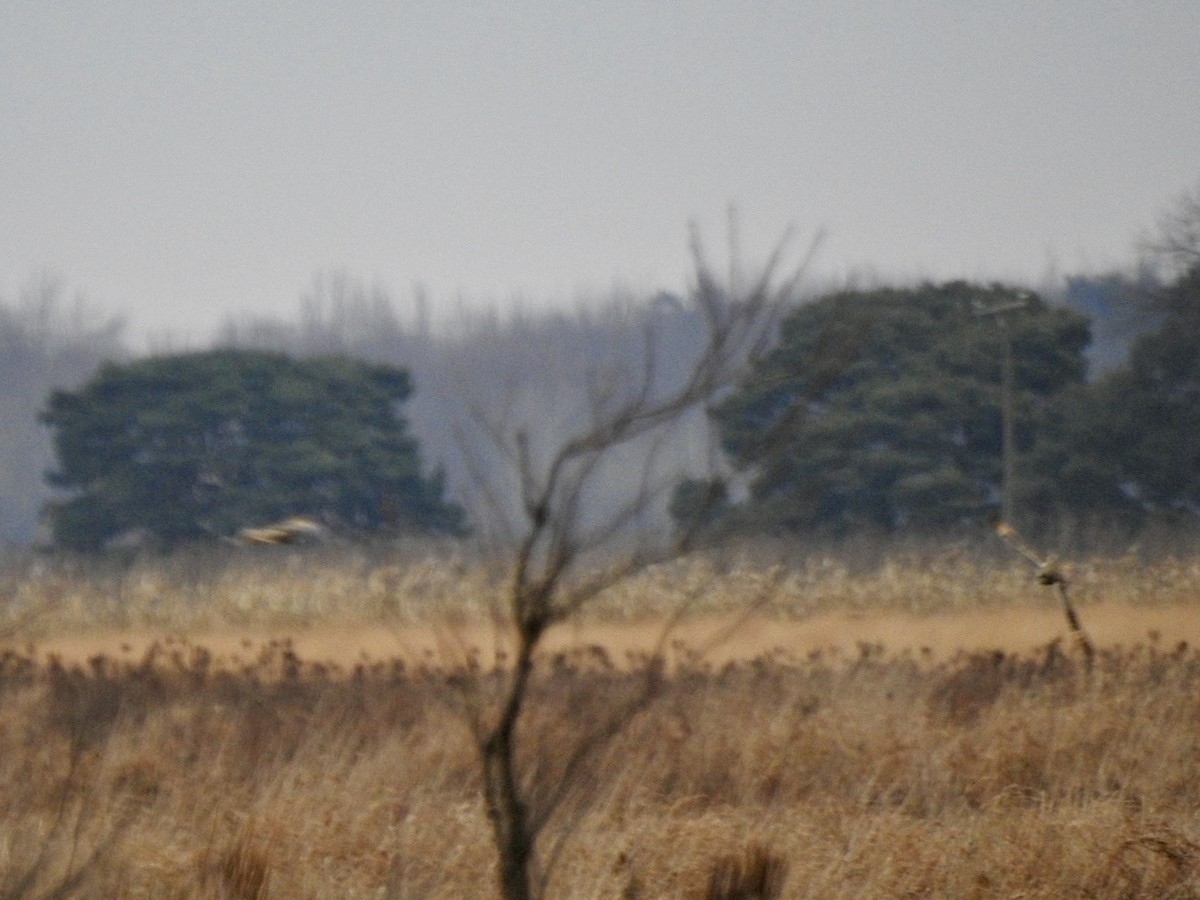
(186, 165)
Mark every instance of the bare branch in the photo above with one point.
(1177, 238)
(550, 581)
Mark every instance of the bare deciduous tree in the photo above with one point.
(561, 555)
(1177, 238)
(48, 339)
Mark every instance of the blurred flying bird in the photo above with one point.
(289, 531)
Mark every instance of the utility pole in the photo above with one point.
(1000, 312)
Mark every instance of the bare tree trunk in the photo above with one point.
(502, 794)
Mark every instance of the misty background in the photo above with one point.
(184, 164)
(448, 186)
(534, 370)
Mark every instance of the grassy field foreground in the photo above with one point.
(172, 772)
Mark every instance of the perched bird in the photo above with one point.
(1049, 575)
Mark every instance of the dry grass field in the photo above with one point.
(295, 726)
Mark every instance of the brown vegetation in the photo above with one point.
(176, 771)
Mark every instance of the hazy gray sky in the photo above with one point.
(182, 162)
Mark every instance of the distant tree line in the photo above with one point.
(879, 408)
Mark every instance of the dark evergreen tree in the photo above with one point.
(198, 444)
(883, 408)
(1146, 417)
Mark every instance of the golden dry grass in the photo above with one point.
(179, 768)
(278, 588)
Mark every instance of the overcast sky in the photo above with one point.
(184, 162)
